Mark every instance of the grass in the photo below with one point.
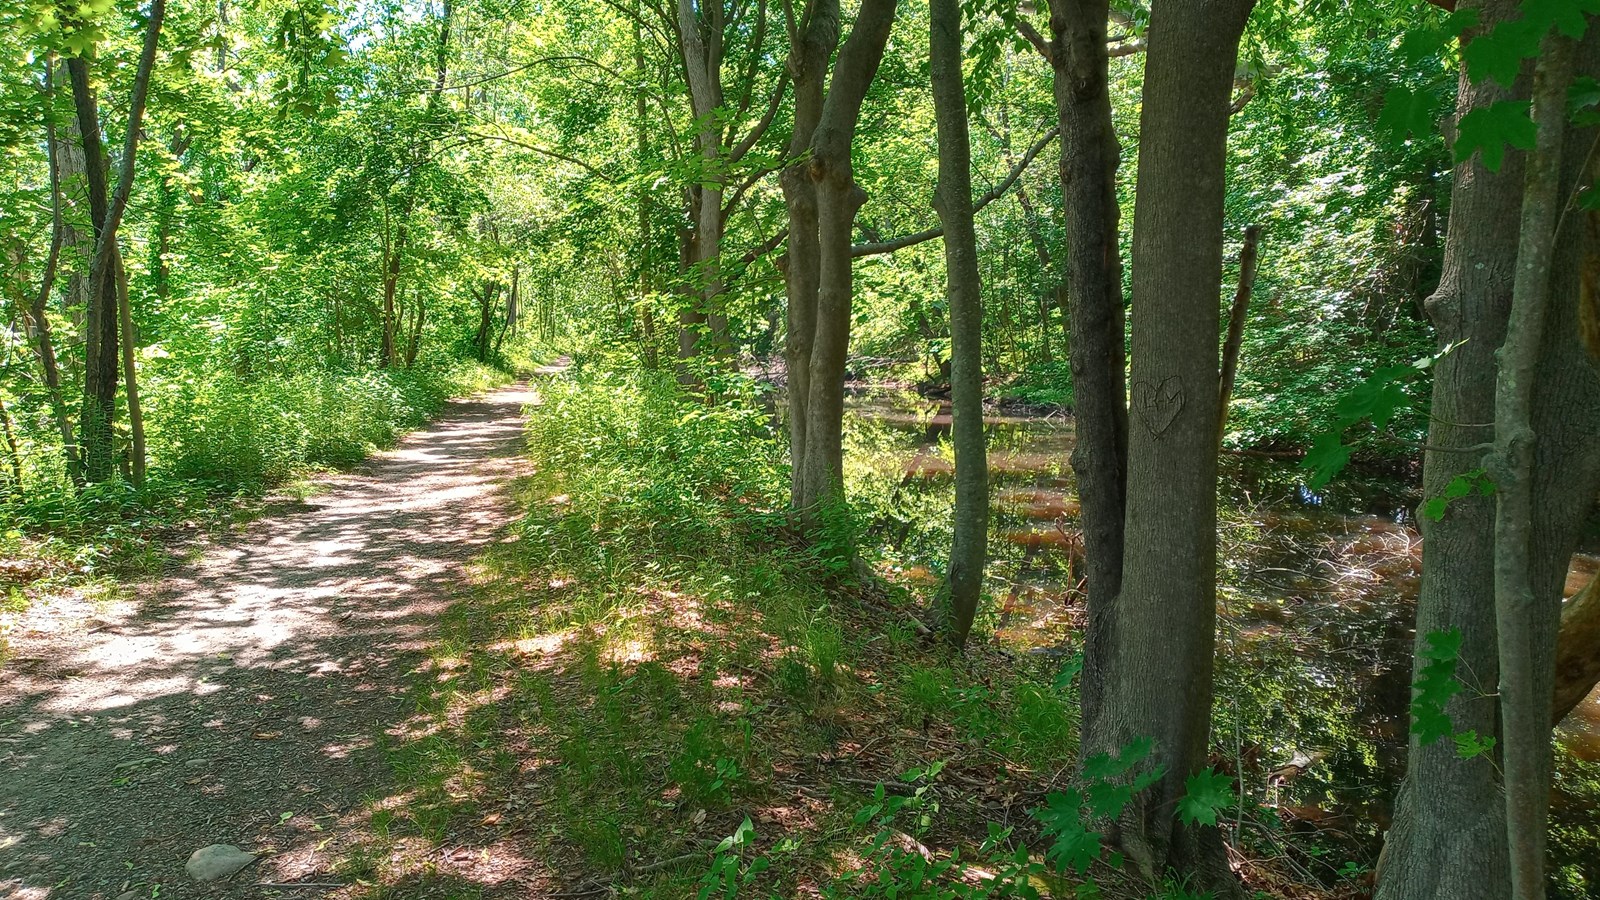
(623, 695)
(647, 661)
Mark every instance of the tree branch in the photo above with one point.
(876, 248)
(760, 128)
(546, 151)
(130, 144)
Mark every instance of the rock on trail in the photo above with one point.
(217, 861)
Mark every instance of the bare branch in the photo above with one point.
(760, 128)
(1026, 29)
(546, 151)
(876, 248)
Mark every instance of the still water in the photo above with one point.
(1317, 595)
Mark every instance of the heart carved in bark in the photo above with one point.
(1157, 405)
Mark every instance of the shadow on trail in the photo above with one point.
(245, 700)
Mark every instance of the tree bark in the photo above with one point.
(1577, 651)
(100, 311)
(952, 200)
(1525, 625)
(645, 276)
(130, 376)
(1158, 671)
(37, 315)
(106, 207)
(418, 317)
(1097, 352)
(13, 453)
(808, 69)
(1237, 313)
(1449, 836)
(77, 234)
(392, 253)
(838, 199)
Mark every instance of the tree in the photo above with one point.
(106, 209)
(1158, 662)
(819, 470)
(1527, 626)
(1090, 156)
(963, 291)
(702, 30)
(1450, 836)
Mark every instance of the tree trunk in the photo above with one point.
(1158, 664)
(418, 317)
(100, 314)
(1449, 839)
(838, 199)
(13, 454)
(1577, 651)
(130, 377)
(106, 207)
(963, 291)
(1237, 313)
(808, 67)
(391, 284)
(166, 210)
(77, 230)
(700, 32)
(649, 354)
(37, 316)
(1097, 343)
(486, 304)
(691, 316)
(1525, 622)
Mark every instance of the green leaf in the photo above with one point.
(1490, 128)
(1205, 792)
(1583, 97)
(1460, 21)
(1433, 508)
(1326, 458)
(1468, 744)
(1434, 686)
(1107, 800)
(1566, 16)
(1076, 849)
(1464, 484)
(1499, 54)
(1405, 112)
(1069, 672)
(1376, 398)
(1103, 766)
(1442, 645)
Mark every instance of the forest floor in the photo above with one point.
(242, 699)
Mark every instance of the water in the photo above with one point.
(1317, 595)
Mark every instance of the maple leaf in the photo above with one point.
(1205, 792)
(1566, 16)
(1490, 128)
(1499, 54)
(1405, 112)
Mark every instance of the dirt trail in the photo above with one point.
(254, 683)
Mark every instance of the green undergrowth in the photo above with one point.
(222, 449)
(646, 662)
(649, 688)
(1574, 828)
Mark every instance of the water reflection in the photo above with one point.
(1316, 596)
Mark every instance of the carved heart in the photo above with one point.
(1157, 406)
